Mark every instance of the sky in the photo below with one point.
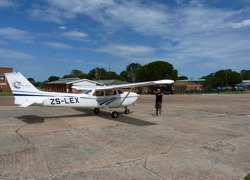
(43, 38)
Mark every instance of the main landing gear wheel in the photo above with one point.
(114, 114)
(96, 110)
(126, 111)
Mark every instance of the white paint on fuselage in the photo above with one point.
(89, 100)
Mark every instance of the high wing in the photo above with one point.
(129, 85)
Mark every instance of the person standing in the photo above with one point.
(158, 102)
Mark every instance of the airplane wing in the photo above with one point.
(129, 85)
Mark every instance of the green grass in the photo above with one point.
(247, 177)
(234, 92)
(6, 94)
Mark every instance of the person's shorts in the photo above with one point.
(158, 105)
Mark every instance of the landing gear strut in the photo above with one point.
(126, 111)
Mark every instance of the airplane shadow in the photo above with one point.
(122, 117)
(32, 119)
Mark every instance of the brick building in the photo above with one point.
(4, 86)
(187, 85)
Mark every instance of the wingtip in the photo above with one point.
(165, 81)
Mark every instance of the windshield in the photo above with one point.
(120, 91)
(88, 92)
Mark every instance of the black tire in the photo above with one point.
(126, 111)
(114, 114)
(96, 110)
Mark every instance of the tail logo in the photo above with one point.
(17, 84)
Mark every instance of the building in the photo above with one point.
(245, 85)
(65, 85)
(4, 86)
(188, 85)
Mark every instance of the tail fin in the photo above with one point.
(22, 89)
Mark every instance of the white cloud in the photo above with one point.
(126, 50)
(144, 18)
(15, 55)
(75, 34)
(244, 23)
(6, 3)
(16, 34)
(204, 36)
(62, 27)
(59, 10)
(57, 45)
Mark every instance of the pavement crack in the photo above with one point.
(21, 136)
(32, 145)
(150, 170)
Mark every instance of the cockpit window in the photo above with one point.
(98, 93)
(108, 92)
(120, 91)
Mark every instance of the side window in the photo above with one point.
(98, 93)
(108, 92)
(120, 91)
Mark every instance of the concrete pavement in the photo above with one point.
(197, 137)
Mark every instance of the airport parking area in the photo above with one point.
(196, 137)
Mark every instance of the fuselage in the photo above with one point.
(92, 98)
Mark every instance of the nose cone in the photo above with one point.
(134, 96)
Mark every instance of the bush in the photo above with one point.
(247, 177)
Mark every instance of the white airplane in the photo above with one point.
(97, 97)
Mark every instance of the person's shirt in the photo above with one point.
(158, 97)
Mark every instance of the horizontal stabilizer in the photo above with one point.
(26, 104)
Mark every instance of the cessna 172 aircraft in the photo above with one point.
(96, 97)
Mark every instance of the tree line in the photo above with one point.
(156, 70)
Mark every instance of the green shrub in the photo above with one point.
(247, 177)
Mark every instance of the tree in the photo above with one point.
(76, 73)
(53, 78)
(132, 71)
(158, 70)
(112, 75)
(97, 73)
(223, 78)
(182, 78)
(245, 74)
(32, 81)
(67, 76)
(124, 76)
(84, 76)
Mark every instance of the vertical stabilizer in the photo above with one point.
(22, 89)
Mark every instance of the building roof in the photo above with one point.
(245, 82)
(112, 82)
(63, 81)
(71, 81)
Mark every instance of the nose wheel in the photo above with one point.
(96, 110)
(114, 114)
